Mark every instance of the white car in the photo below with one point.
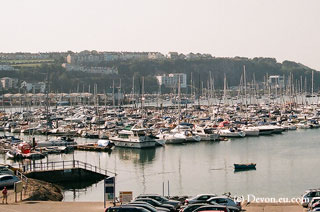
(8, 180)
(201, 198)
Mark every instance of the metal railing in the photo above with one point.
(62, 165)
(23, 179)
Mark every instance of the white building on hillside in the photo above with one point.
(276, 81)
(37, 87)
(172, 80)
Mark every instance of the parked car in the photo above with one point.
(147, 207)
(224, 201)
(313, 202)
(161, 199)
(147, 204)
(212, 208)
(192, 207)
(309, 195)
(201, 198)
(155, 203)
(126, 208)
(8, 180)
(5, 170)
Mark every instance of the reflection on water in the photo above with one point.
(136, 155)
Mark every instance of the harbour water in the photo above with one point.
(286, 167)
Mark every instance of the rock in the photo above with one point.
(43, 191)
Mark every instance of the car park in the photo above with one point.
(201, 198)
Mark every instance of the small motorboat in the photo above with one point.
(243, 166)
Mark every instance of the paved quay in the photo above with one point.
(273, 207)
(50, 206)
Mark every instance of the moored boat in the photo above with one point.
(134, 138)
(244, 166)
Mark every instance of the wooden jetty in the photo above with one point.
(93, 147)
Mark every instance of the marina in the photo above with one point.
(196, 153)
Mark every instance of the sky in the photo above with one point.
(282, 29)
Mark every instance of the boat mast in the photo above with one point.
(142, 94)
(191, 86)
(199, 93)
(179, 100)
(113, 98)
(245, 88)
(224, 88)
(312, 88)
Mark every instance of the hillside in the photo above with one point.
(63, 81)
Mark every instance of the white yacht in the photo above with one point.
(135, 138)
(187, 132)
(251, 131)
(231, 133)
(172, 137)
(206, 134)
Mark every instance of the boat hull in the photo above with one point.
(133, 144)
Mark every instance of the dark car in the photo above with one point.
(224, 201)
(192, 207)
(212, 208)
(161, 199)
(149, 206)
(155, 203)
(126, 208)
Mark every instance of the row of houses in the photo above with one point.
(94, 69)
(96, 57)
(7, 83)
(25, 56)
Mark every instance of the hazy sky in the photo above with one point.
(284, 29)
